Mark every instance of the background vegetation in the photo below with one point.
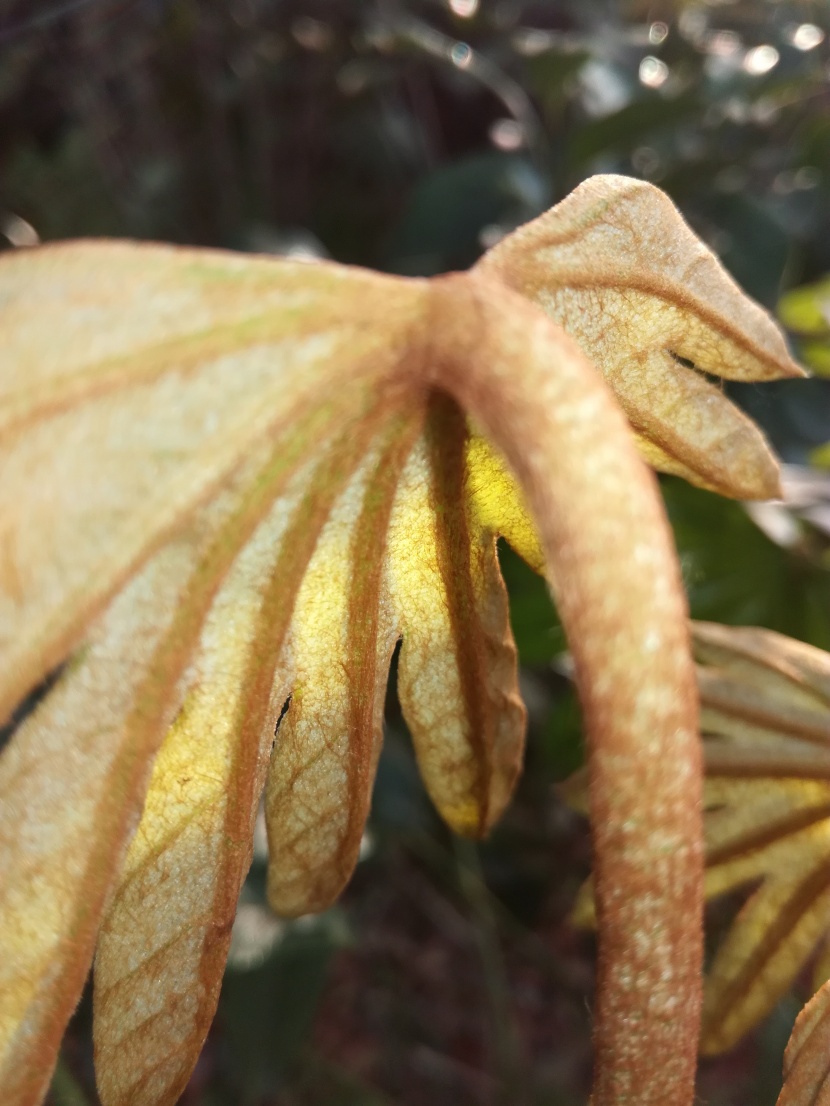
(408, 136)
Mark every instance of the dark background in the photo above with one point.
(407, 137)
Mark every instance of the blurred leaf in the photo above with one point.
(629, 127)
(817, 356)
(765, 716)
(536, 626)
(266, 1014)
(441, 225)
(735, 574)
(806, 310)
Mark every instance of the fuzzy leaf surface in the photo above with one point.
(615, 264)
(765, 716)
(233, 483)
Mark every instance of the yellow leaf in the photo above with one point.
(158, 371)
(165, 937)
(765, 716)
(343, 633)
(618, 268)
(229, 482)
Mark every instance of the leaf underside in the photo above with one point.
(617, 267)
(199, 636)
(765, 716)
(230, 483)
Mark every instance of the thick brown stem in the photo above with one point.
(619, 594)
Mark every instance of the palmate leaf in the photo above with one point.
(806, 312)
(807, 1056)
(230, 483)
(765, 714)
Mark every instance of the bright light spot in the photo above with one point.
(302, 251)
(19, 232)
(723, 44)
(653, 72)
(255, 933)
(312, 34)
(807, 36)
(760, 60)
(464, 9)
(367, 845)
(489, 235)
(658, 33)
(461, 55)
(507, 134)
(530, 41)
(604, 89)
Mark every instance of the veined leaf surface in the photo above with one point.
(617, 267)
(765, 716)
(267, 473)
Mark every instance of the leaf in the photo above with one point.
(331, 455)
(807, 1056)
(342, 636)
(108, 454)
(765, 716)
(617, 267)
(165, 375)
(164, 939)
(735, 574)
(806, 311)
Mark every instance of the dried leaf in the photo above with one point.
(617, 267)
